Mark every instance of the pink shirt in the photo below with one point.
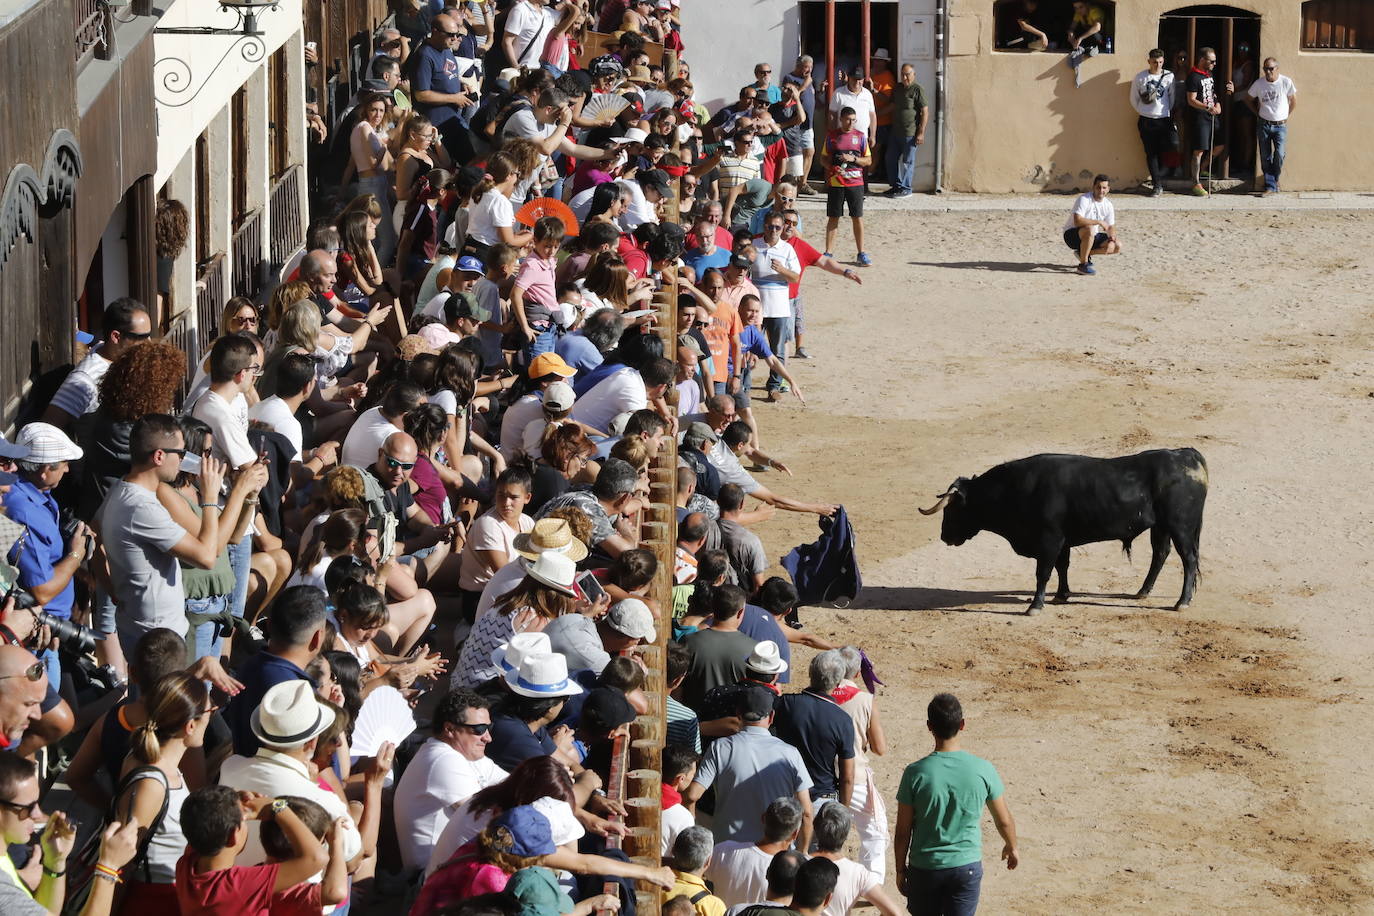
(536, 278)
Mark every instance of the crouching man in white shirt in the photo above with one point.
(1091, 228)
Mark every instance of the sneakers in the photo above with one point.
(801, 354)
(1199, 191)
(827, 255)
(806, 189)
(1158, 191)
(1087, 269)
(899, 194)
(864, 259)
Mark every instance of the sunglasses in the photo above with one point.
(179, 452)
(130, 335)
(478, 728)
(24, 811)
(1270, 69)
(451, 34)
(33, 672)
(248, 319)
(403, 465)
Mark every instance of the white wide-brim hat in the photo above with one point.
(290, 715)
(544, 675)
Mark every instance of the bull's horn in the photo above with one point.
(944, 498)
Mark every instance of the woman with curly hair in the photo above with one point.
(141, 381)
(282, 298)
(171, 228)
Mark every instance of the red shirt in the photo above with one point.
(774, 161)
(634, 257)
(807, 255)
(236, 891)
(847, 175)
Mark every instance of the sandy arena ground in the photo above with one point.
(1214, 760)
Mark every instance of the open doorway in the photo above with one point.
(883, 32)
(1235, 36)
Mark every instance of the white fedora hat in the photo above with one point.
(543, 675)
(290, 715)
(766, 659)
(508, 655)
(555, 570)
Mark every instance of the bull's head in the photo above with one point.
(957, 524)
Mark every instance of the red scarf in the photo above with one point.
(670, 797)
(843, 695)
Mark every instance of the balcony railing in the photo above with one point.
(210, 302)
(287, 231)
(247, 253)
(93, 28)
(183, 336)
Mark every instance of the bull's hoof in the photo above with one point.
(1060, 599)
(1034, 609)
(1181, 606)
(1141, 594)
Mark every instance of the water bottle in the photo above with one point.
(1109, 45)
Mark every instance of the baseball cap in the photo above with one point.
(701, 431)
(741, 261)
(604, 710)
(656, 179)
(559, 396)
(467, 305)
(12, 450)
(550, 364)
(631, 617)
(529, 831)
(754, 704)
(467, 264)
(856, 72)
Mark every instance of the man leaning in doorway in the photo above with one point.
(1273, 96)
(1152, 97)
(1202, 98)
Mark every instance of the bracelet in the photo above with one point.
(209, 505)
(250, 501)
(109, 874)
(53, 874)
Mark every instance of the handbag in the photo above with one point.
(81, 867)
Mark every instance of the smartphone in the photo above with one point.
(591, 588)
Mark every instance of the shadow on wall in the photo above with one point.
(1081, 113)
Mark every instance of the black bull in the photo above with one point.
(1046, 504)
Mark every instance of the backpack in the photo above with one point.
(81, 866)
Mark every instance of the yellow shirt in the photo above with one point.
(689, 886)
(883, 84)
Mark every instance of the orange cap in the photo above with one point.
(550, 364)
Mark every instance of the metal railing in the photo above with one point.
(210, 300)
(93, 27)
(182, 335)
(246, 251)
(287, 230)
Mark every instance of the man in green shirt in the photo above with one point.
(939, 806)
(910, 115)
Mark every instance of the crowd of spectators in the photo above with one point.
(362, 612)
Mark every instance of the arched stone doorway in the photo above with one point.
(1235, 35)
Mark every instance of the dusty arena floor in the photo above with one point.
(1214, 760)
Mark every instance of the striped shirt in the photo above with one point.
(683, 729)
(80, 392)
(737, 170)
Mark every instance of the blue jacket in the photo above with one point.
(828, 570)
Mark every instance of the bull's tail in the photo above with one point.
(1126, 548)
(1198, 470)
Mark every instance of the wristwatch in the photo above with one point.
(278, 806)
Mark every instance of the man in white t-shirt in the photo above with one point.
(235, 365)
(854, 94)
(1273, 97)
(1152, 97)
(831, 826)
(528, 26)
(447, 769)
(376, 424)
(739, 870)
(125, 324)
(623, 391)
(295, 382)
(1091, 227)
(775, 266)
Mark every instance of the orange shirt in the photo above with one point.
(725, 324)
(883, 84)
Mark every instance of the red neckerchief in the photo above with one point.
(670, 797)
(777, 690)
(1202, 72)
(843, 695)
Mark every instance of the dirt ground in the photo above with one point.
(1213, 760)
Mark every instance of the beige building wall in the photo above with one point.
(1017, 124)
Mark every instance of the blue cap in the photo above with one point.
(85, 337)
(529, 831)
(469, 265)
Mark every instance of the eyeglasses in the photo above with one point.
(33, 672)
(477, 728)
(248, 319)
(1269, 69)
(403, 465)
(179, 452)
(130, 335)
(208, 711)
(24, 811)
(764, 72)
(790, 222)
(255, 369)
(776, 227)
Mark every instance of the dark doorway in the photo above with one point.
(883, 32)
(1235, 35)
